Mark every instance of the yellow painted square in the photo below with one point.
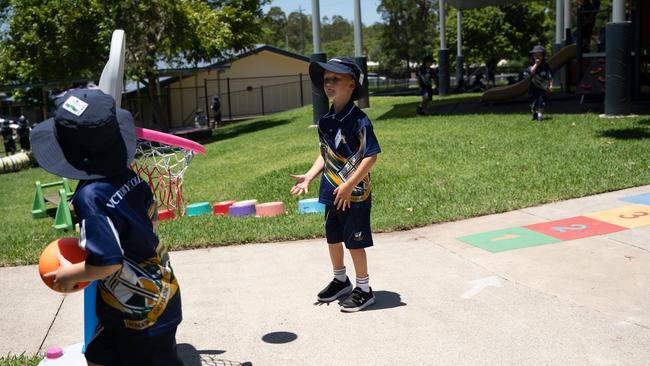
(628, 216)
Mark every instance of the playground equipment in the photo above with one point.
(504, 93)
(14, 162)
(269, 209)
(310, 205)
(63, 217)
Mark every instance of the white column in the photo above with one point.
(567, 17)
(559, 21)
(358, 40)
(315, 24)
(443, 40)
(618, 11)
(459, 32)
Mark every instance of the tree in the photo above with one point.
(337, 36)
(275, 27)
(299, 31)
(45, 40)
(408, 34)
(500, 32)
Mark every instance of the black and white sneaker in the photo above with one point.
(357, 300)
(335, 290)
(535, 116)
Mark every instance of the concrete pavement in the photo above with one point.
(439, 301)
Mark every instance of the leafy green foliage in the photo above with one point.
(408, 34)
(500, 32)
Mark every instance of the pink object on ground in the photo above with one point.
(269, 209)
(54, 352)
(169, 139)
(221, 208)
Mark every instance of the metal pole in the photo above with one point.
(358, 40)
(559, 21)
(443, 54)
(229, 104)
(618, 11)
(460, 60)
(262, 93)
(302, 98)
(567, 18)
(315, 24)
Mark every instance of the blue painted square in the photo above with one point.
(643, 199)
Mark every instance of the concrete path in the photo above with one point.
(439, 301)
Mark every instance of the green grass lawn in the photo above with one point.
(432, 169)
(20, 360)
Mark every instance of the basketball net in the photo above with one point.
(164, 166)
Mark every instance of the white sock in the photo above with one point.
(364, 283)
(339, 274)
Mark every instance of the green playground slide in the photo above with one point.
(504, 93)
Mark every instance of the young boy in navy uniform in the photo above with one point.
(348, 150)
(138, 298)
(425, 82)
(8, 137)
(541, 82)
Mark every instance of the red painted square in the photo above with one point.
(574, 228)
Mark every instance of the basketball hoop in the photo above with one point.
(163, 159)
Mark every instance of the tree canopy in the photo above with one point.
(69, 39)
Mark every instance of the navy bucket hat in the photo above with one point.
(88, 138)
(538, 49)
(339, 65)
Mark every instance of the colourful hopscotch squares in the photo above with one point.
(628, 216)
(508, 239)
(574, 228)
(643, 199)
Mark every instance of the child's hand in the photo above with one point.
(301, 186)
(343, 194)
(61, 283)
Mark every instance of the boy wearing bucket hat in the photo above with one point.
(541, 81)
(138, 300)
(348, 150)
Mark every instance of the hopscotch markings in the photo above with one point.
(507, 239)
(575, 228)
(631, 216)
(643, 199)
(480, 285)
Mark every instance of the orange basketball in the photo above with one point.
(48, 261)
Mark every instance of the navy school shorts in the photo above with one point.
(110, 348)
(537, 98)
(351, 226)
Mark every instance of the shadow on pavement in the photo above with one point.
(279, 337)
(193, 357)
(386, 300)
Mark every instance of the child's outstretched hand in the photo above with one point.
(343, 194)
(301, 186)
(61, 283)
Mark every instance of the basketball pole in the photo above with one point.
(111, 82)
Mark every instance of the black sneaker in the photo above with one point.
(420, 111)
(357, 300)
(335, 290)
(534, 116)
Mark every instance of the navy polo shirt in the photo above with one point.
(115, 216)
(541, 78)
(346, 138)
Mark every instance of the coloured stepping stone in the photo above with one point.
(574, 228)
(310, 205)
(197, 209)
(166, 214)
(629, 216)
(242, 208)
(221, 208)
(508, 239)
(269, 209)
(643, 199)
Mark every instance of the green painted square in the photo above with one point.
(508, 239)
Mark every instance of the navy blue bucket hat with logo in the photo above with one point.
(339, 65)
(88, 138)
(538, 49)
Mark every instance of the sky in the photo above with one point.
(328, 8)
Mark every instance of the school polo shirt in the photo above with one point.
(115, 221)
(542, 76)
(346, 138)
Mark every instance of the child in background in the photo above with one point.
(541, 82)
(425, 82)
